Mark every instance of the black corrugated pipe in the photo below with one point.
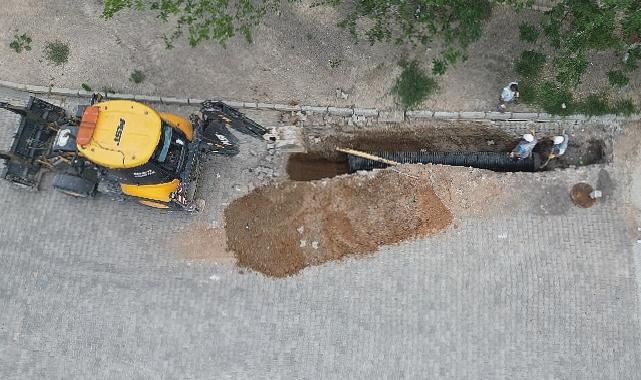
(496, 161)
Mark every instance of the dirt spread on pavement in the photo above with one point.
(203, 242)
(282, 228)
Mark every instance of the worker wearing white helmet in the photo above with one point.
(560, 145)
(525, 147)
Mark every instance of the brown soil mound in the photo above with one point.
(280, 229)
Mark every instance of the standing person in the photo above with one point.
(525, 147)
(509, 94)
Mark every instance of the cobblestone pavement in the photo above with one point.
(93, 289)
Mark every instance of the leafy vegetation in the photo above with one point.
(413, 85)
(86, 87)
(574, 30)
(20, 43)
(528, 32)
(57, 52)
(530, 64)
(137, 76)
(617, 78)
(202, 20)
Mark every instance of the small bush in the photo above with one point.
(617, 78)
(86, 87)
(20, 43)
(413, 85)
(530, 64)
(555, 100)
(439, 67)
(137, 76)
(594, 105)
(57, 52)
(624, 107)
(528, 32)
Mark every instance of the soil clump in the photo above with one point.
(282, 228)
(580, 194)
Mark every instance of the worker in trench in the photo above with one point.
(525, 147)
(559, 147)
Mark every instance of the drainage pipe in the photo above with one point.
(496, 161)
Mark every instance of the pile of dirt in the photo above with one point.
(280, 229)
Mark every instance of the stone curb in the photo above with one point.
(393, 116)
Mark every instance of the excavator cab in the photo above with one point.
(122, 147)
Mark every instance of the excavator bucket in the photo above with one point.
(32, 142)
(218, 118)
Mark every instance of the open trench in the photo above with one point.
(280, 228)
(485, 148)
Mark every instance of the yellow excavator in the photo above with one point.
(122, 147)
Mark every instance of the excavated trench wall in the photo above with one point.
(481, 144)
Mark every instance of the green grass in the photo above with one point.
(594, 105)
(624, 107)
(530, 64)
(528, 32)
(413, 86)
(617, 78)
(57, 52)
(554, 99)
(137, 76)
(528, 91)
(20, 43)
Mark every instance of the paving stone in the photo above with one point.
(38, 89)
(498, 115)
(314, 109)
(425, 114)
(265, 106)
(391, 116)
(170, 100)
(63, 91)
(122, 96)
(286, 108)
(196, 101)
(234, 104)
(471, 115)
(85, 94)
(369, 112)
(340, 111)
(148, 98)
(13, 85)
(525, 115)
(446, 115)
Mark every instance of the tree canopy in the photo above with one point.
(200, 20)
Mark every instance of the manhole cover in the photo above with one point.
(580, 194)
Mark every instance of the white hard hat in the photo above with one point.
(528, 137)
(558, 139)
